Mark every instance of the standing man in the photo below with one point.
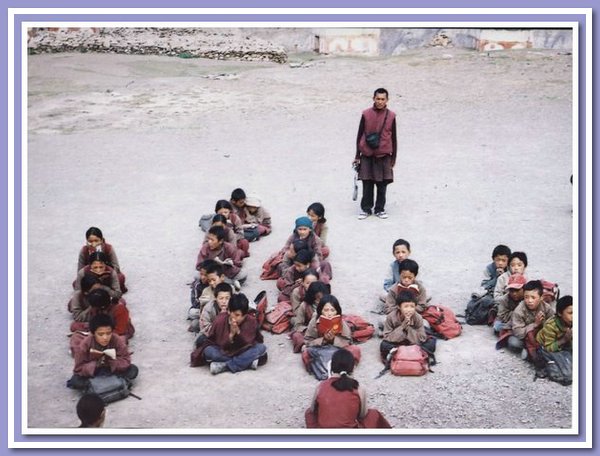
(376, 154)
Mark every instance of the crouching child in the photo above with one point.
(235, 342)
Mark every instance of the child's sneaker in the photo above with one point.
(254, 364)
(382, 215)
(524, 354)
(363, 215)
(217, 367)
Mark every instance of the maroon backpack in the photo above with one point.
(261, 304)
(269, 268)
(442, 321)
(277, 320)
(361, 329)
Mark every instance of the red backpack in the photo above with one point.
(269, 268)
(361, 329)
(277, 320)
(409, 360)
(261, 304)
(442, 321)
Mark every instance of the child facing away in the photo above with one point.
(517, 264)
(340, 402)
(320, 345)
(78, 305)
(408, 269)
(403, 326)
(102, 352)
(91, 411)
(557, 332)
(223, 294)
(401, 251)
(508, 303)
(496, 268)
(256, 220)
(100, 303)
(235, 342)
(215, 248)
(316, 213)
(95, 242)
(106, 275)
(303, 313)
(527, 319)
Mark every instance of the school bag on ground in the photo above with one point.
(277, 320)
(361, 329)
(442, 321)
(409, 360)
(559, 366)
(478, 310)
(260, 309)
(269, 267)
(110, 388)
(205, 222)
(550, 289)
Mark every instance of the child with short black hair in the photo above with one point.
(496, 268)
(214, 276)
(102, 352)
(238, 202)
(215, 248)
(303, 313)
(316, 213)
(409, 269)
(403, 326)
(401, 251)
(236, 343)
(101, 303)
(293, 275)
(527, 319)
(106, 275)
(557, 332)
(340, 402)
(307, 277)
(224, 207)
(79, 305)
(509, 302)
(91, 411)
(223, 294)
(517, 264)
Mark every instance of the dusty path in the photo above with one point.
(141, 146)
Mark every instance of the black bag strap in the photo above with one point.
(384, 119)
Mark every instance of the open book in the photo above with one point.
(110, 352)
(334, 323)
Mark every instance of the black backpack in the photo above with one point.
(478, 310)
(559, 366)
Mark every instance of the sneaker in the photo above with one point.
(217, 368)
(254, 364)
(382, 215)
(237, 285)
(524, 354)
(363, 215)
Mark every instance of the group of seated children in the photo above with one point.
(101, 323)
(230, 230)
(526, 315)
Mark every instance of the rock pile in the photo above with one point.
(221, 44)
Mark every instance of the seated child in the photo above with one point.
(215, 248)
(221, 220)
(289, 254)
(91, 411)
(101, 303)
(316, 213)
(496, 268)
(304, 312)
(309, 276)
(527, 319)
(95, 242)
(224, 207)
(106, 275)
(340, 402)
(403, 326)
(199, 284)
(223, 293)
(557, 332)
(401, 251)
(256, 220)
(79, 305)
(509, 302)
(320, 346)
(304, 230)
(517, 263)
(235, 340)
(101, 353)
(408, 281)
(238, 202)
(292, 278)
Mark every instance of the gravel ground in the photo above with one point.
(141, 146)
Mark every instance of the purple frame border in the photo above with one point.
(271, 440)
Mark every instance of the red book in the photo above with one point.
(325, 324)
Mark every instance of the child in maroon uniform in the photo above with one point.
(215, 248)
(340, 402)
(106, 275)
(316, 213)
(292, 278)
(95, 242)
(304, 311)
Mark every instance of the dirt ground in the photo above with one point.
(142, 146)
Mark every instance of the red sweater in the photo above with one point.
(249, 334)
